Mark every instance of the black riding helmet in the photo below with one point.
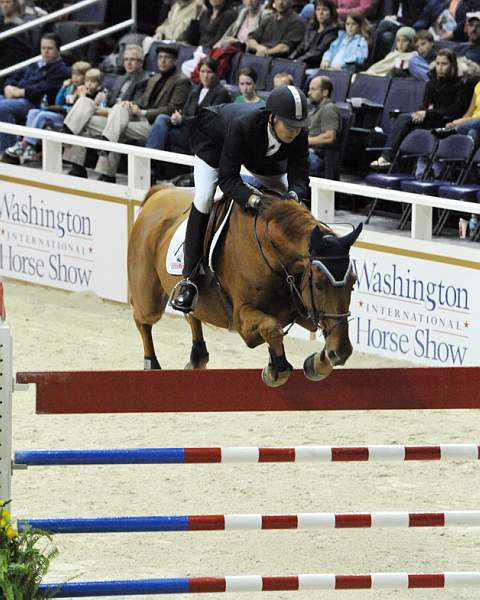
(289, 104)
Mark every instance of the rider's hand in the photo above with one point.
(259, 202)
(293, 196)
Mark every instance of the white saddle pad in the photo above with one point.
(175, 250)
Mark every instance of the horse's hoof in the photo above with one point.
(315, 369)
(271, 381)
(151, 364)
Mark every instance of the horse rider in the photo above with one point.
(270, 141)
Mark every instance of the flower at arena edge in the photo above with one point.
(24, 559)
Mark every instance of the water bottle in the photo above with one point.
(473, 226)
(103, 99)
(44, 102)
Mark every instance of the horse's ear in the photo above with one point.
(349, 239)
(315, 241)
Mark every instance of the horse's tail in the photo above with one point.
(154, 189)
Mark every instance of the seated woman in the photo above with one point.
(351, 46)
(249, 18)
(446, 98)
(215, 19)
(247, 82)
(319, 34)
(396, 62)
(469, 124)
(172, 132)
(24, 149)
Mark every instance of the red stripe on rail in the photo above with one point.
(426, 580)
(199, 585)
(206, 522)
(351, 521)
(354, 453)
(353, 582)
(426, 520)
(423, 453)
(272, 584)
(203, 455)
(279, 522)
(276, 455)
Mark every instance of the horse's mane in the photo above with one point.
(294, 219)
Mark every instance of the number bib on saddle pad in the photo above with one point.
(175, 250)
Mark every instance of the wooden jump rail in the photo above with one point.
(227, 390)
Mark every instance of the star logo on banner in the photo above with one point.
(466, 324)
(360, 303)
(90, 249)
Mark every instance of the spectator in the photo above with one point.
(320, 33)
(87, 118)
(396, 62)
(165, 93)
(471, 49)
(325, 122)
(249, 19)
(24, 90)
(179, 17)
(24, 149)
(397, 13)
(469, 124)
(17, 47)
(351, 46)
(205, 32)
(247, 82)
(446, 98)
(215, 19)
(279, 33)
(366, 8)
(282, 78)
(419, 65)
(172, 132)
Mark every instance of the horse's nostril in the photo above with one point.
(332, 356)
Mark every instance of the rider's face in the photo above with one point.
(285, 133)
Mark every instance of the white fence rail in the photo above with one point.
(323, 190)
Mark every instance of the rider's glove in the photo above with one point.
(259, 202)
(293, 196)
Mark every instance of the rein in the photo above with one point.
(315, 315)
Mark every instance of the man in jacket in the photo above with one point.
(271, 142)
(88, 119)
(25, 89)
(165, 93)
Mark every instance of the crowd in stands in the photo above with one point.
(207, 52)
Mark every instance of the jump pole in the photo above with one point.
(246, 455)
(236, 522)
(257, 583)
(240, 390)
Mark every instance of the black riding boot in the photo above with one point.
(192, 254)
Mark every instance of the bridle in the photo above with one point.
(306, 309)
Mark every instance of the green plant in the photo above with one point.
(24, 559)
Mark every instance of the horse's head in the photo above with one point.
(327, 287)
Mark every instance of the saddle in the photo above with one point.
(218, 218)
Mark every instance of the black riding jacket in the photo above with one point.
(231, 135)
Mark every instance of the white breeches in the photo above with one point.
(206, 181)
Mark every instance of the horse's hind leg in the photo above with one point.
(150, 359)
(199, 353)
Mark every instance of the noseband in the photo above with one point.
(307, 309)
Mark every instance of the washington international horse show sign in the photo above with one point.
(406, 305)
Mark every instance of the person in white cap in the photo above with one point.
(271, 142)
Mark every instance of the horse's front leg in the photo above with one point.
(256, 326)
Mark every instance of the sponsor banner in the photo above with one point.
(57, 238)
(413, 309)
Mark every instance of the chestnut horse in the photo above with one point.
(279, 268)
